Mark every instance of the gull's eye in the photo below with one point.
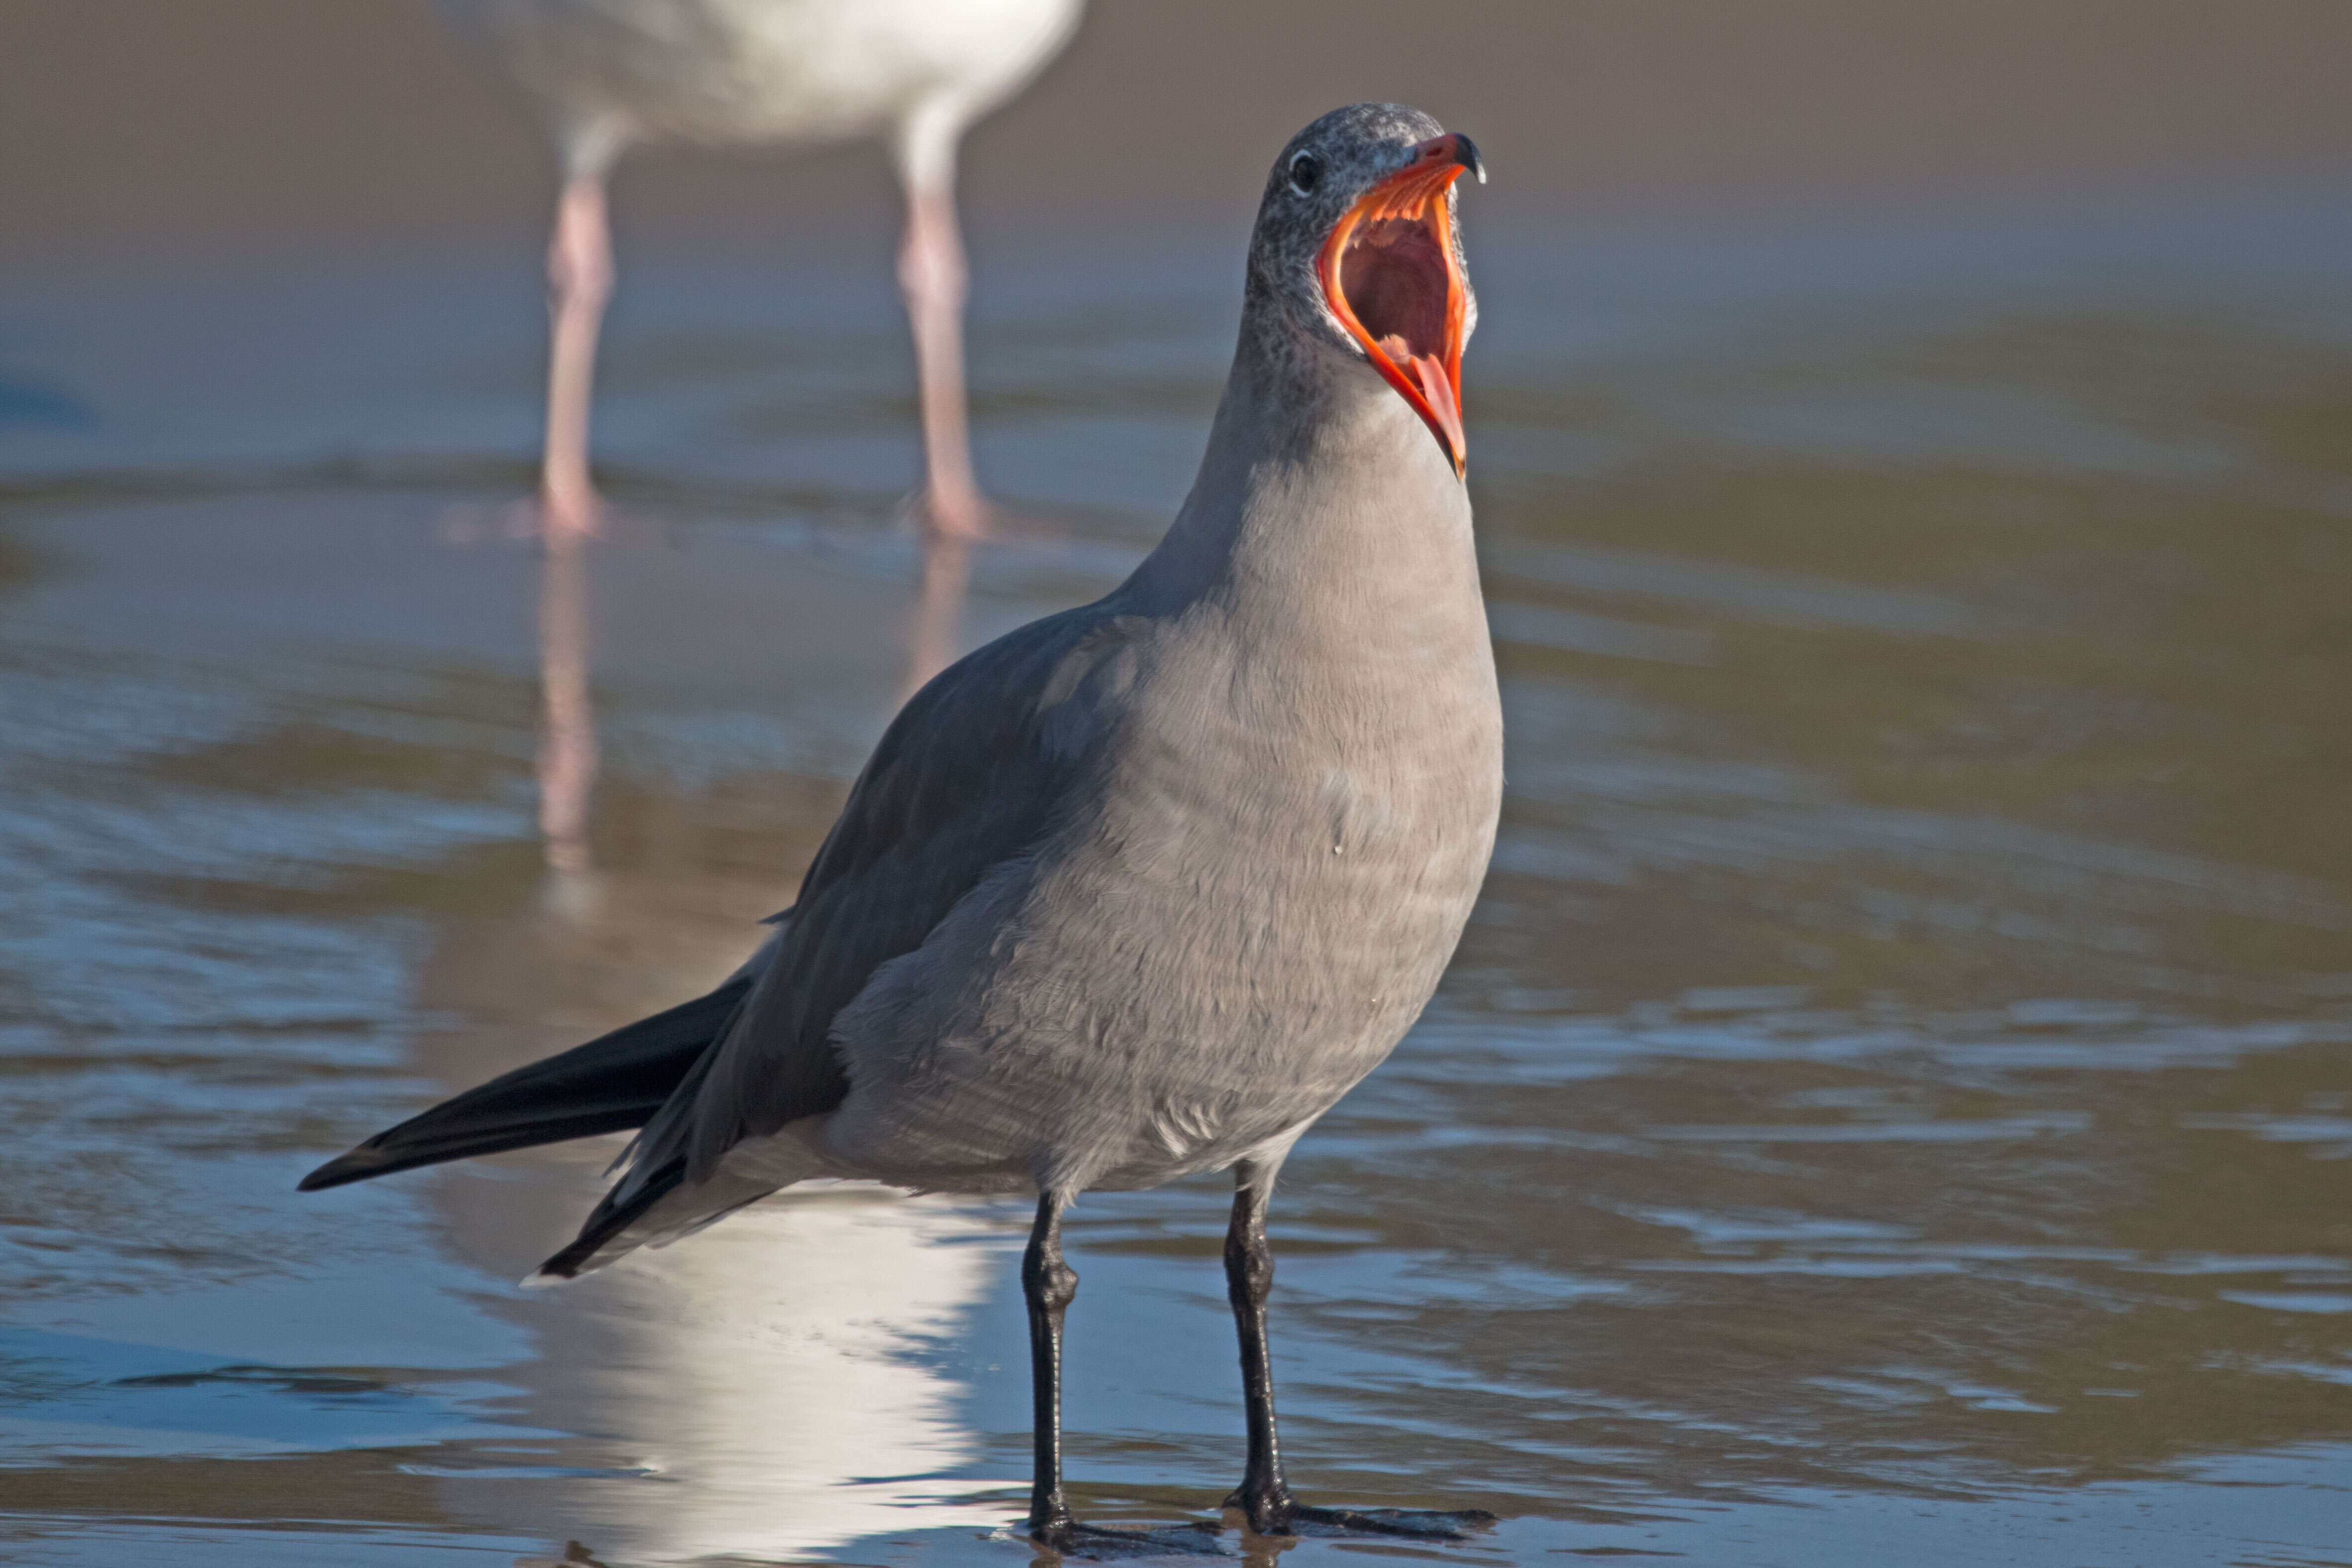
(1305, 169)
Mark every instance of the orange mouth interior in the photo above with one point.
(1389, 274)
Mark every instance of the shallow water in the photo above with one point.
(1894, 1097)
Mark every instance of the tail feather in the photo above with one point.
(613, 1217)
(611, 1084)
(654, 1210)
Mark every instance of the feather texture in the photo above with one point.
(1142, 889)
(614, 1083)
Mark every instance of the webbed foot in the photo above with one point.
(1281, 1514)
(1105, 1543)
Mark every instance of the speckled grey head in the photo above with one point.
(1355, 253)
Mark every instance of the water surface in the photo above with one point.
(1894, 1097)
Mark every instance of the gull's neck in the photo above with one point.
(1321, 491)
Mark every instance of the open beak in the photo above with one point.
(1389, 275)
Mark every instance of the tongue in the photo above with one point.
(1429, 373)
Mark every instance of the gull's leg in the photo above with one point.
(1048, 1284)
(932, 272)
(1250, 1277)
(580, 280)
(1263, 1497)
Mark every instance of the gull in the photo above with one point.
(611, 73)
(1140, 890)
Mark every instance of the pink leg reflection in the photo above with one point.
(567, 744)
(934, 618)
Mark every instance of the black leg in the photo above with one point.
(1048, 1284)
(1262, 1496)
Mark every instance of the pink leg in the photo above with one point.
(567, 744)
(932, 272)
(938, 607)
(580, 280)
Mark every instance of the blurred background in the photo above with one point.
(1896, 1095)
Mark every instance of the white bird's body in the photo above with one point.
(723, 72)
(611, 73)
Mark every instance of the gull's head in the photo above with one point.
(1357, 244)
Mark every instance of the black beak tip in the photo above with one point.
(1465, 151)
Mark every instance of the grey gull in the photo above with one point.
(1142, 888)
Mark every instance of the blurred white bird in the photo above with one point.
(915, 72)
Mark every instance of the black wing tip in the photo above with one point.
(568, 1263)
(614, 1083)
(356, 1166)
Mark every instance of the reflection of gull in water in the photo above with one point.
(915, 72)
(783, 1410)
(786, 1407)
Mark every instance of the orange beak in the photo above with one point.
(1390, 274)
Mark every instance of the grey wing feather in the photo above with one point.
(969, 774)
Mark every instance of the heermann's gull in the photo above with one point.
(917, 72)
(1142, 889)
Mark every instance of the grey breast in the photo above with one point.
(1248, 894)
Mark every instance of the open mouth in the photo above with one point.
(1389, 274)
